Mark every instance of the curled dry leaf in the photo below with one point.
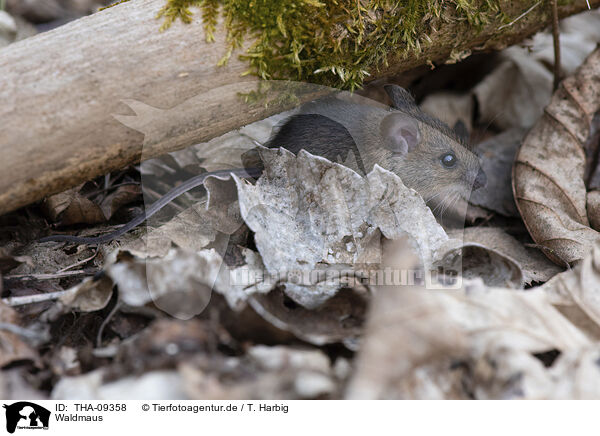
(12, 347)
(70, 207)
(339, 319)
(179, 283)
(9, 262)
(548, 174)
(532, 265)
(89, 295)
(474, 260)
(579, 288)
(309, 214)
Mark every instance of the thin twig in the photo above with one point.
(102, 190)
(520, 16)
(81, 262)
(49, 276)
(556, 39)
(37, 298)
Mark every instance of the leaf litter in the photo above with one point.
(233, 296)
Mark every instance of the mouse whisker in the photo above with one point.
(439, 205)
(450, 201)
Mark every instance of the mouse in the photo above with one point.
(427, 155)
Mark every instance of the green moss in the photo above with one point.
(334, 42)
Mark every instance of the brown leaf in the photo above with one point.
(579, 288)
(548, 174)
(70, 207)
(120, 197)
(89, 295)
(12, 347)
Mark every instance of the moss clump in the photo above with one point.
(332, 42)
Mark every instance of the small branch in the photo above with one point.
(556, 39)
(30, 299)
(50, 276)
(81, 262)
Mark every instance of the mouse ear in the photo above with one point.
(400, 133)
(401, 98)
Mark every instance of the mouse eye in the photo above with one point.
(448, 160)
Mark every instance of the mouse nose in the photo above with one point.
(480, 180)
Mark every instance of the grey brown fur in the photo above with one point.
(359, 123)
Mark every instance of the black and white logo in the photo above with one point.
(26, 415)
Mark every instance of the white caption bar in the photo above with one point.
(305, 418)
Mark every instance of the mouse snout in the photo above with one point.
(480, 180)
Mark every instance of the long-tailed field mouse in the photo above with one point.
(423, 151)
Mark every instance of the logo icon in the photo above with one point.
(26, 415)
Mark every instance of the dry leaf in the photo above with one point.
(548, 173)
(120, 197)
(497, 155)
(89, 295)
(532, 264)
(12, 347)
(206, 224)
(70, 207)
(330, 215)
(415, 336)
(579, 287)
(513, 94)
(179, 283)
(450, 108)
